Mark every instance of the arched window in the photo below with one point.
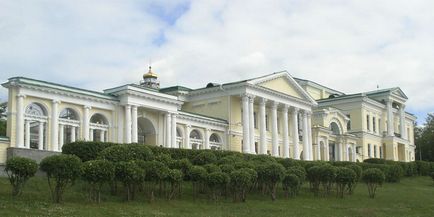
(98, 128)
(334, 128)
(196, 140)
(215, 142)
(195, 134)
(35, 126)
(68, 126)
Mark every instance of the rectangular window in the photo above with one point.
(266, 123)
(369, 150)
(379, 125)
(373, 125)
(349, 122)
(255, 119)
(367, 122)
(375, 151)
(381, 152)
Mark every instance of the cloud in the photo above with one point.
(351, 46)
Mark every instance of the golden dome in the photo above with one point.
(150, 74)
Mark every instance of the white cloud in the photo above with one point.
(348, 45)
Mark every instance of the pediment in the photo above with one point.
(283, 83)
(398, 92)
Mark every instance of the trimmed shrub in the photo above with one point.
(19, 170)
(206, 157)
(61, 170)
(244, 164)
(432, 176)
(409, 168)
(183, 164)
(358, 171)
(271, 174)
(423, 168)
(373, 178)
(216, 183)
(131, 175)
(327, 177)
(231, 159)
(155, 172)
(241, 181)
(314, 177)
(163, 158)
(198, 177)
(86, 150)
(126, 153)
(175, 178)
(345, 178)
(291, 184)
(227, 168)
(288, 162)
(97, 173)
(211, 168)
(375, 161)
(394, 173)
(299, 172)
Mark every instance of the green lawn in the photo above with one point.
(410, 197)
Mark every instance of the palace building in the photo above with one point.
(275, 114)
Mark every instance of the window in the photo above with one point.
(381, 152)
(375, 151)
(373, 125)
(369, 150)
(349, 122)
(266, 123)
(379, 125)
(278, 125)
(255, 120)
(367, 122)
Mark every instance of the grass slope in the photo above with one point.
(410, 197)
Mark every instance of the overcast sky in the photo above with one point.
(351, 46)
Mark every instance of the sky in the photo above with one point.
(350, 46)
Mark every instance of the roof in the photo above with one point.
(174, 88)
(40, 83)
(317, 84)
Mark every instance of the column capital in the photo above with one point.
(274, 105)
(21, 95)
(87, 107)
(134, 107)
(55, 101)
(245, 96)
(402, 107)
(294, 110)
(262, 101)
(285, 108)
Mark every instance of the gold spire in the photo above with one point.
(150, 74)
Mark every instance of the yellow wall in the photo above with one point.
(281, 85)
(213, 107)
(4, 144)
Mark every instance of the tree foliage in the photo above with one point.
(19, 170)
(97, 173)
(424, 139)
(62, 170)
(373, 178)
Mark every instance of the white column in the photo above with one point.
(101, 135)
(318, 149)
(128, 138)
(207, 131)
(61, 137)
(91, 134)
(54, 126)
(262, 126)
(27, 133)
(275, 142)
(121, 125)
(134, 124)
(20, 121)
(354, 152)
(402, 121)
(187, 136)
(86, 123)
(246, 137)
(294, 128)
(251, 125)
(371, 122)
(390, 127)
(305, 137)
(309, 138)
(41, 136)
(285, 132)
(174, 145)
(168, 128)
(327, 150)
(73, 134)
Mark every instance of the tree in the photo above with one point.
(62, 170)
(373, 178)
(271, 174)
(20, 170)
(291, 184)
(97, 173)
(345, 179)
(241, 182)
(424, 139)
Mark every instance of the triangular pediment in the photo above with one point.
(397, 91)
(283, 83)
